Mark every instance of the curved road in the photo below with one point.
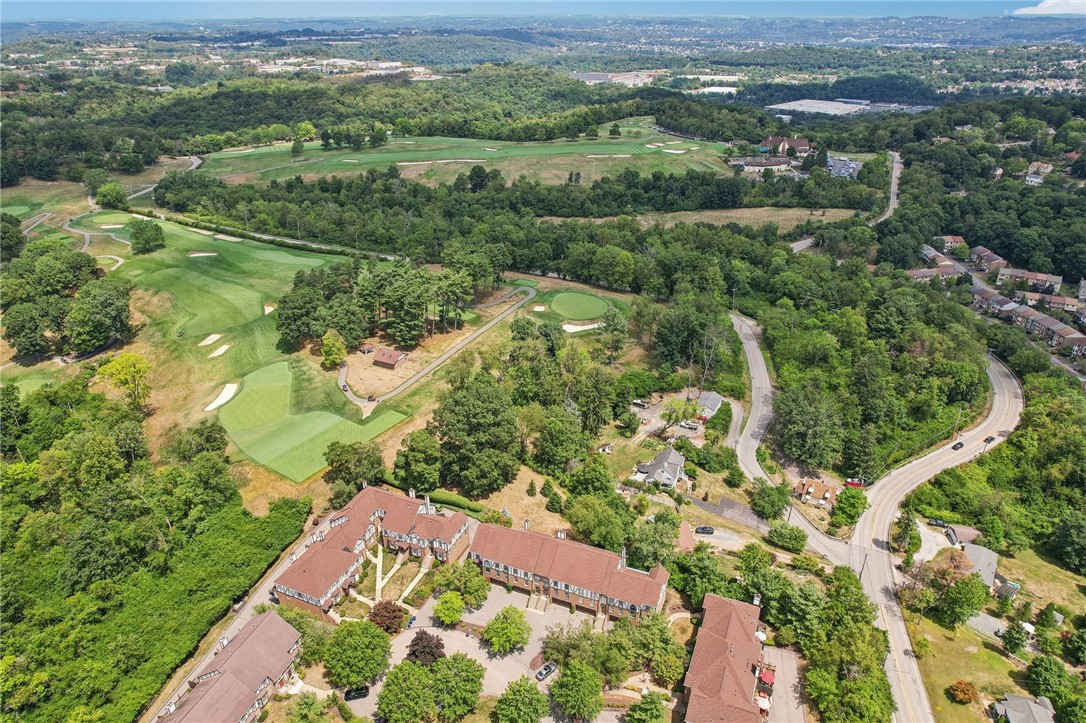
(367, 406)
(868, 552)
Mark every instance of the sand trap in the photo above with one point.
(112, 225)
(136, 215)
(653, 145)
(409, 143)
(620, 155)
(671, 150)
(598, 155)
(231, 153)
(539, 307)
(574, 328)
(210, 340)
(671, 143)
(694, 148)
(350, 160)
(224, 237)
(490, 149)
(203, 231)
(195, 254)
(464, 160)
(224, 396)
(268, 309)
(218, 352)
(414, 163)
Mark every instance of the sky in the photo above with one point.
(181, 10)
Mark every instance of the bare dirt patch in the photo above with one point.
(366, 378)
(514, 499)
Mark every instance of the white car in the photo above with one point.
(692, 426)
(640, 404)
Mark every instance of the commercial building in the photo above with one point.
(244, 674)
(722, 683)
(780, 145)
(559, 569)
(329, 563)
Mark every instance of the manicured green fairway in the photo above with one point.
(19, 211)
(577, 307)
(260, 422)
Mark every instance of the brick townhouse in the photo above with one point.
(328, 563)
(566, 571)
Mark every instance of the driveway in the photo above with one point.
(788, 700)
(500, 671)
(932, 540)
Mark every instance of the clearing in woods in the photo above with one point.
(436, 159)
(261, 421)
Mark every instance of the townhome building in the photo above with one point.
(1043, 283)
(984, 259)
(560, 570)
(1063, 303)
(329, 563)
(244, 674)
(948, 243)
(726, 680)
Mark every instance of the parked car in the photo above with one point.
(854, 482)
(344, 387)
(356, 693)
(641, 404)
(692, 426)
(937, 523)
(999, 633)
(704, 530)
(546, 671)
(958, 445)
(989, 440)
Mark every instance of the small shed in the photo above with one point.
(388, 358)
(368, 348)
(958, 534)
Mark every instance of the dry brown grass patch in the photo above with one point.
(514, 498)
(259, 487)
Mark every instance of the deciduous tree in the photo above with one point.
(418, 462)
(449, 608)
(578, 691)
(522, 702)
(507, 631)
(129, 371)
(356, 654)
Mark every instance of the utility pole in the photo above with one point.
(957, 421)
(733, 298)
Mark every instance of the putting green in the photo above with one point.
(576, 306)
(259, 421)
(19, 211)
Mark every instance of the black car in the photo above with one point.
(937, 523)
(545, 671)
(356, 693)
(989, 440)
(704, 530)
(958, 445)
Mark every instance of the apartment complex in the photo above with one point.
(985, 260)
(562, 570)
(1036, 323)
(1043, 283)
(244, 674)
(723, 681)
(328, 563)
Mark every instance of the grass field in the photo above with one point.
(30, 197)
(262, 423)
(577, 307)
(1044, 582)
(435, 159)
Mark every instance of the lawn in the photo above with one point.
(963, 656)
(268, 428)
(401, 579)
(576, 306)
(1044, 582)
(30, 197)
(437, 159)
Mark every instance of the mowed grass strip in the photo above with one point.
(259, 421)
(577, 307)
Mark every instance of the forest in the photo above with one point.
(101, 543)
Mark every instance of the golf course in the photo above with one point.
(436, 159)
(576, 306)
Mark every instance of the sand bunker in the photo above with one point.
(203, 231)
(671, 150)
(574, 328)
(350, 160)
(620, 155)
(694, 148)
(218, 352)
(414, 163)
(490, 149)
(671, 143)
(463, 160)
(409, 143)
(230, 153)
(112, 225)
(136, 215)
(194, 254)
(224, 237)
(224, 396)
(210, 340)
(653, 145)
(598, 155)
(268, 309)
(539, 307)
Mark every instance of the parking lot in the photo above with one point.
(651, 421)
(500, 671)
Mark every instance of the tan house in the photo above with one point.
(816, 492)
(986, 260)
(721, 685)
(244, 674)
(1044, 283)
(329, 562)
(565, 571)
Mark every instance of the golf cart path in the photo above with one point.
(418, 376)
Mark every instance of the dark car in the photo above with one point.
(545, 671)
(345, 388)
(937, 523)
(958, 445)
(989, 440)
(704, 530)
(356, 693)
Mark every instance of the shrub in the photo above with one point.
(963, 691)
(531, 489)
(786, 536)
(388, 616)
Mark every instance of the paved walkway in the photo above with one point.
(367, 406)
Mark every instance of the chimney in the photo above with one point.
(622, 559)
(429, 507)
(411, 493)
(561, 534)
(527, 524)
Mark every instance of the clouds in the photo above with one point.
(1055, 7)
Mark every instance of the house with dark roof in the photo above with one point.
(244, 674)
(1044, 283)
(329, 563)
(388, 358)
(985, 260)
(721, 685)
(984, 562)
(562, 570)
(1020, 709)
(958, 534)
(667, 469)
